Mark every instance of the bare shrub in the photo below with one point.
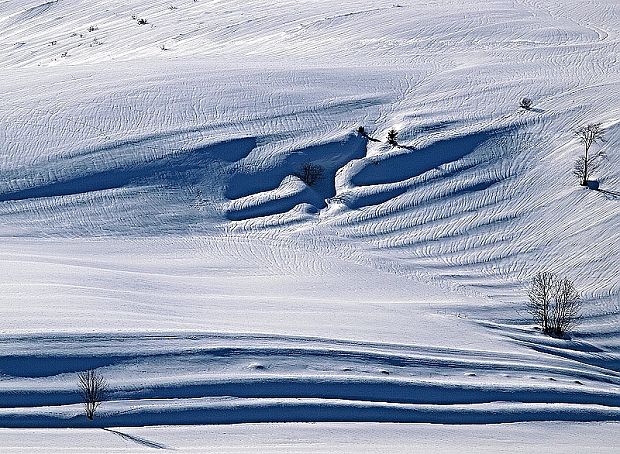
(540, 295)
(92, 389)
(310, 173)
(554, 303)
(588, 135)
(362, 132)
(392, 137)
(526, 103)
(565, 313)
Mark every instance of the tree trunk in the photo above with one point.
(584, 182)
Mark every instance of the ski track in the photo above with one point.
(149, 173)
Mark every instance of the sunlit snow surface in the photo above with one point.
(154, 225)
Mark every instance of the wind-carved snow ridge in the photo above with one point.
(252, 191)
(343, 381)
(157, 224)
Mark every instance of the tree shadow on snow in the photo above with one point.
(595, 186)
(614, 195)
(139, 440)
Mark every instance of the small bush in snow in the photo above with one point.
(92, 388)
(526, 103)
(362, 132)
(554, 303)
(391, 137)
(142, 21)
(310, 173)
(589, 162)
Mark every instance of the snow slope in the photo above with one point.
(154, 224)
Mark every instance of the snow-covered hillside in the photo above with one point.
(156, 224)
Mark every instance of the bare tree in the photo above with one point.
(554, 303)
(391, 137)
(581, 167)
(526, 103)
(566, 308)
(540, 295)
(92, 388)
(310, 173)
(588, 135)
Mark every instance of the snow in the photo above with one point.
(154, 225)
(321, 438)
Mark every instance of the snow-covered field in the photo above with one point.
(154, 226)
